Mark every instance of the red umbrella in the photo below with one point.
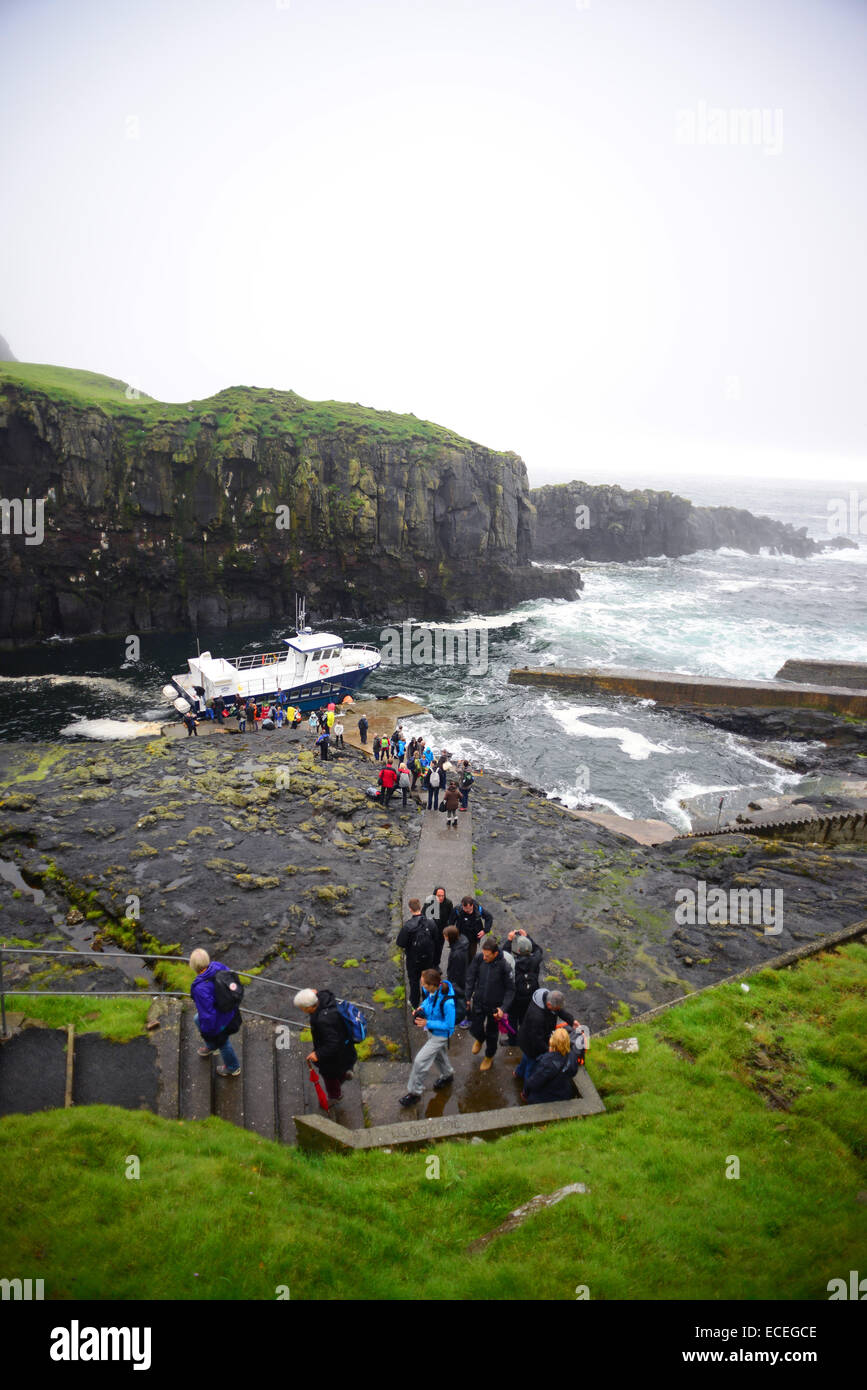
(323, 1099)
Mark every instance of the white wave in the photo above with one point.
(95, 682)
(579, 800)
(632, 743)
(106, 729)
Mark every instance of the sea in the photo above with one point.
(716, 613)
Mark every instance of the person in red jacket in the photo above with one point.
(388, 782)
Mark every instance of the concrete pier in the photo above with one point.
(673, 689)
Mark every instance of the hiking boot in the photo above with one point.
(224, 1071)
(409, 1099)
(477, 1047)
(443, 1081)
(487, 1063)
(206, 1052)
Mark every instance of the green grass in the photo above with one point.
(116, 1019)
(660, 1219)
(235, 410)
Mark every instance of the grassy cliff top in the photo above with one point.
(261, 409)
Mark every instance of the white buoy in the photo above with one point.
(170, 693)
(182, 706)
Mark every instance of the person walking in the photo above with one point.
(377, 744)
(551, 1078)
(242, 718)
(338, 734)
(313, 722)
(417, 938)
(362, 732)
(540, 1020)
(456, 972)
(528, 963)
(438, 907)
(388, 781)
(432, 782)
(472, 921)
(452, 801)
(190, 721)
(436, 1014)
(333, 1049)
(490, 991)
(404, 781)
(466, 782)
(322, 743)
(215, 1025)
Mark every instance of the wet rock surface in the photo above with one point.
(604, 909)
(253, 849)
(270, 859)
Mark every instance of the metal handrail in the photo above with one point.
(139, 993)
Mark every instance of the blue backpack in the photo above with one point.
(354, 1020)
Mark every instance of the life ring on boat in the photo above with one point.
(323, 669)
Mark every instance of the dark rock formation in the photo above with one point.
(592, 522)
(169, 515)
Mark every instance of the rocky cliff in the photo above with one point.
(591, 522)
(216, 512)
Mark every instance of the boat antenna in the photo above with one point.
(300, 613)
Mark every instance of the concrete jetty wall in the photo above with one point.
(673, 688)
(849, 675)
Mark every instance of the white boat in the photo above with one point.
(315, 669)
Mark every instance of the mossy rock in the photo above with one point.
(144, 852)
(18, 801)
(251, 882)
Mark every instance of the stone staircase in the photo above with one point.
(273, 1087)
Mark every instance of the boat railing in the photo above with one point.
(361, 647)
(248, 663)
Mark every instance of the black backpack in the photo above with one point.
(526, 978)
(425, 941)
(228, 991)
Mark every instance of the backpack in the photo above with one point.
(228, 991)
(405, 780)
(354, 1020)
(467, 780)
(526, 979)
(426, 939)
(434, 778)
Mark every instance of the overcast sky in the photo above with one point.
(516, 219)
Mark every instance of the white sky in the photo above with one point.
(479, 212)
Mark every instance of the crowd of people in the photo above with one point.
(490, 989)
(405, 764)
(459, 973)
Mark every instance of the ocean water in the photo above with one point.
(720, 613)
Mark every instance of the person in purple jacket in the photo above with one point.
(214, 1026)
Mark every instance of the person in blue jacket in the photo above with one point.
(551, 1078)
(436, 1013)
(215, 1026)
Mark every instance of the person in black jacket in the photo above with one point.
(528, 962)
(540, 1020)
(472, 921)
(456, 972)
(420, 939)
(333, 1049)
(438, 908)
(552, 1074)
(490, 991)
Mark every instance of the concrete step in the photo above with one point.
(195, 1098)
(258, 1073)
(33, 1071)
(108, 1073)
(166, 1040)
(289, 1072)
(471, 1092)
(229, 1090)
